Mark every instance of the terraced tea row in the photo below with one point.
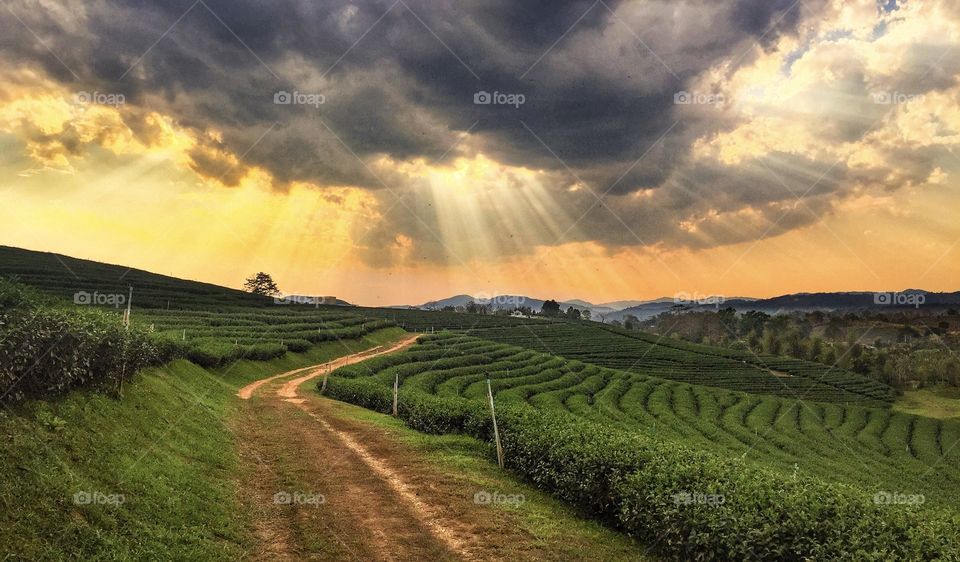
(416, 320)
(216, 338)
(242, 325)
(666, 358)
(872, 448)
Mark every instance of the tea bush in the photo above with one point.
(47, 350)
(651, 489)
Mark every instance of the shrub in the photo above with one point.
(46, 350)
(214, 354)
(635, 482)
(297, 345)
(264, 351)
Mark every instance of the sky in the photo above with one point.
(399, 151)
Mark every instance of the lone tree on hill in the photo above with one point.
(550, 308)
(261, 284)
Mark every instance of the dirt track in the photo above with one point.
(381, 500)
(289, 389)
(364, 496)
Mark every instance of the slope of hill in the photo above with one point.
(90, 282)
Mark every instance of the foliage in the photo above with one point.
(674, 359)
(635, 481)
(261, 284)
(896, 348)
(550, 308)
(46, 350)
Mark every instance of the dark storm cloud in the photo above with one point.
(206, 71)
(399, 80)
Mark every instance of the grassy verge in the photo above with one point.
(934, 402)
(150, 476)
(548, 523)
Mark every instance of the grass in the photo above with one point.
(165, 449)
(941, 402)
(169, 450)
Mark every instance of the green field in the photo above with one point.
(208, 324)
(619, 423)
(680, 361)
(871, 447)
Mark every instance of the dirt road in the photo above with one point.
(350, 491)
(289, 389)
(363, 496)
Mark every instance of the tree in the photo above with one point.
(261, 284)
(771, 344)
(573, 313)
(816, 348)
(550, 308)
(585, 314)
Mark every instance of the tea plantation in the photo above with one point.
(681, 361)
(792, 462)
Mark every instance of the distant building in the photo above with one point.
(518, 314)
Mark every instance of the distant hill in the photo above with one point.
(84, 280)
(507, 302)
(800, 302)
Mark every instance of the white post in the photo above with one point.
(129, 303)
(396, 389)
(184, 334)
(496, 431)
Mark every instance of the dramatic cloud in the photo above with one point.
(643, 123)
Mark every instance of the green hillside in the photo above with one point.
(873, 448)
(65, 276)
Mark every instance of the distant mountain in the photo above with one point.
(800, 302)
(456, 300)
(620, 305)
(509, 302)
(643, 310)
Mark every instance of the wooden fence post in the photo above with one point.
(496, 431)
(126, 317)
(396, 389)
